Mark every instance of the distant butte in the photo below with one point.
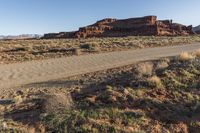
(197, 29)
(143, 26)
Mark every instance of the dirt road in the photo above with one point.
(13, 75)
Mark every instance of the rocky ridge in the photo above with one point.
(143, 26)
(196, 29)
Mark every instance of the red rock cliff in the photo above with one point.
(144, 26)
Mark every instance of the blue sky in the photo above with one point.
(43, 16)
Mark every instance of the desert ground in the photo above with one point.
(153, 95)
(27, 50)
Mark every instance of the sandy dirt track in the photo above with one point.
(14, 75)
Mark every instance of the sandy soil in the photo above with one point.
(13, 75)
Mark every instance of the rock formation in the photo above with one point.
(144, 26)
(196, 29)
(59, 35)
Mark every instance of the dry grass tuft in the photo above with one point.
(156, 81)
(197, 53)
(145, 68)
(184, 56)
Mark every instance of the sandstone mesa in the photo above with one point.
(143, 26)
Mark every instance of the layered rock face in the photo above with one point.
(59, 35)
(144, 26)
(118, 28)
(197, 29)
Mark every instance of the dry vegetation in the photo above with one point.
(186, 56)
(25, 50)
(197, 53)
(157, 97)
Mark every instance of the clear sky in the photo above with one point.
(44, 16)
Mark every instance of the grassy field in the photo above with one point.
(154, 96)
(26, 50)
